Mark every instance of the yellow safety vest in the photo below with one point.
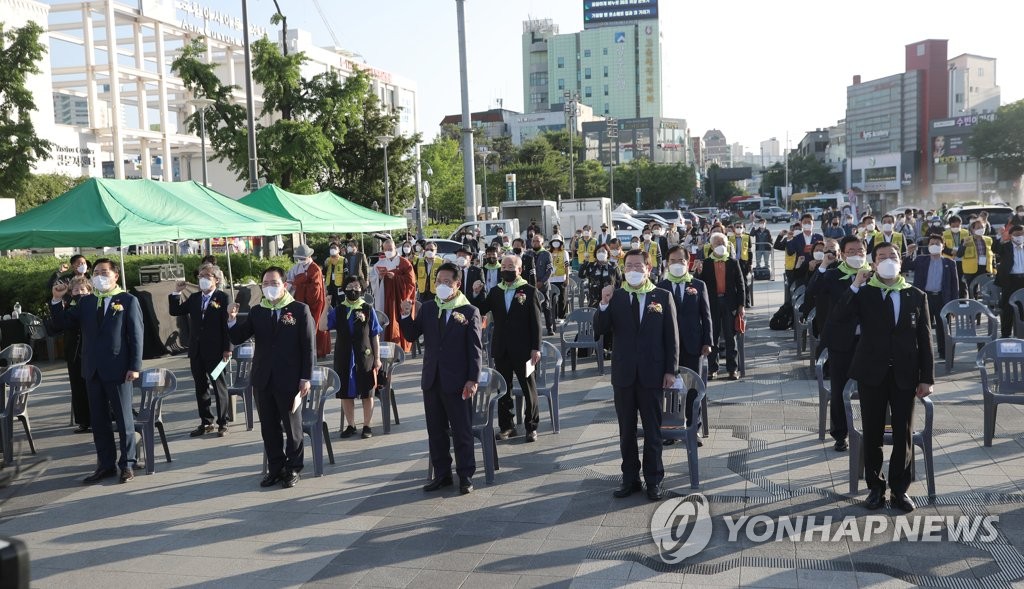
(879, 238)
(558, 260)
(744, 254)
(653, 251)
(585, 249)
(947, 240)
(970, 261)
(339, 271)
(421, 274)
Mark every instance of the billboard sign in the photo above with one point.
(610, 11)
(948, 138)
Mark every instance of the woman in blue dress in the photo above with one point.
(356, 353)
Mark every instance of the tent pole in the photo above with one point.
(124, 281)
(231, 279)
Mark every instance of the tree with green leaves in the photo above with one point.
(40, 188)
(444, 160)
(1000, 142)
(21, 148)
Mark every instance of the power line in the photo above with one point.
(323, 17)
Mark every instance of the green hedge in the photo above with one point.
(24, 279)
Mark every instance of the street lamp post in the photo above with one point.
(485, 153)
(612, 132)
(384, 140)
(571, 112)
(201, 105)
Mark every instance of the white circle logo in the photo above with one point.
(681, 527)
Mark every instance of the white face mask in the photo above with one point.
(406, 249)
(935, 249)
(888, 269)
(819, 256)
(333, 251)
(444, 292)
(647, 236)
(739, 231)
(350, 249)
(634, 244)
(855, 262)
(615, 253)
(887, 227)
(302, 262)
(677, 270)
(979, 231)
(602, 257)
(658, 232)
(82, 268)
(272, 293)
(205, 284)
(870, 226)
(102, 283)
(556, 244)
(429, 254)
(635, 278)
(720, 250)
(1018, 239)
(389, 254)
(808, 227)
(586, 235)
(461, 262)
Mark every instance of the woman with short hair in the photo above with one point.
(356, 353)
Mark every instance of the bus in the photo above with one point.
(807, 200)
(750, 204)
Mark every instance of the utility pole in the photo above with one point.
(250, 102)
(612, 132)
(571, 112)
(468, 169)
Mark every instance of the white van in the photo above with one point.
(626, 227)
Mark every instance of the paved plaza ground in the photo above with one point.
(549, 519)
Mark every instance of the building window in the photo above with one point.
(561, 61)
(604, 51)
(981, 72)
(587, 92)
(537, 97)
(586, 73)
(539, 79)
(586, 53)
(920, 50)
(561, 83)
(606, 109)
(606, 89)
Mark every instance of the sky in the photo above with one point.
(751, 69)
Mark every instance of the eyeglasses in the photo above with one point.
(637, 267)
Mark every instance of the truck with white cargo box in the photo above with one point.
(577, 212)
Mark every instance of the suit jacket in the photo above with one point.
(208, 331)
(1005, 267)
(112, 345)
(517, 332)
(950, 282)
(641, 354)
(453, 354)
(734, 284)
(285, 347)
(470, 275)
(906, 346)
(693, 315)
(838, 335)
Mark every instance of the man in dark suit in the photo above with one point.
(356, 263)
(721, 273)
(893, 363)
(468, 273)
(693, 315)
(282, 366)
(645, 355)
(208, 344)
(937, 277)
(111, 324)
(452, 361)
(1010, 276)
(839, 337)
(518, 320)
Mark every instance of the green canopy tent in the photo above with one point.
(323, 212)
(119, 213)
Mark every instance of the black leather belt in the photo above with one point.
(936, 293)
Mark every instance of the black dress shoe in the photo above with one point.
(222, 431)
(271, 479)
(876, 498)
(505, 434)
(465, 486)
(627, 489)
(99, 475)
(712, 375)
(841, 445)
(654, 492)
(732, 376)
(289, 479)
(127, 475)
(531, 437)
(348, 432)
(202, 430)
(436, 484)
(82, 429)
(367, 432)
(903, 502)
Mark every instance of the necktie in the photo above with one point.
(441, 322)
(428, 265)
(890, 308)
(99, 311)
(679, 292)
(636, 309)
(206, 301)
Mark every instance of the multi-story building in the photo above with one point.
(493, 123)
(835, 153)
(660, 140)
(814, 143)
(697, 148)
(520, 127)
(972, 85)
(717, 149)
(69, 109)
(614, 64)
(770, 148)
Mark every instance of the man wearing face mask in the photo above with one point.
(800, 245)
(515, 307)
(283, 330)
(78, 266)
(888, 234)
(306, 283)
(892, 364)
(111, 325)
(539, 259)
(452, 361)
(693, 316)
(826, 257)
(491, 269)
(426, 269)
(936, 276)
(978, 252)
(208, 345)
(356, 263)
(834, 230)
(653, 251)
(743, 247)
(393, 281)
(1010, 276)
(762, 244)
(658, 236)
(604, 236)
(560, 264)
(954, 244)
(721, 272)
(1016, 219)
(468, 273)
(334, 274)
(645, 356)
(849, 227)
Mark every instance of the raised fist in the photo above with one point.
(64, 267)
(180, 286)
(60, 288)
(477, 287)
(233, 312)
(406, 307)
(606, 294)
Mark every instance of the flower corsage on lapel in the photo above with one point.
(288, 318)
(360, 317)
(116, 307)
(654, 307)
(521, 297)
(215, 304)
(459, 317)
(691, 291)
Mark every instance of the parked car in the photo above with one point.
(667, 215)
(773, 214)
(815, 212)
(706, 212)
(626, 227)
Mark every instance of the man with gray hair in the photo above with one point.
(207, 312)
